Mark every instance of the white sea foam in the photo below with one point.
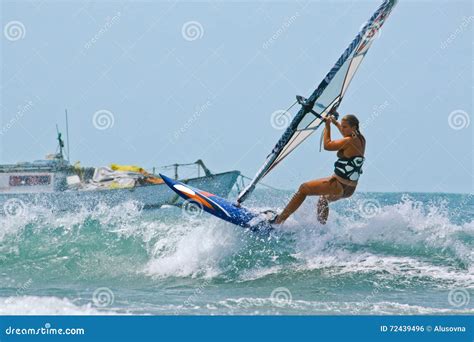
(266, 305)
(34, 305)
(193, 249)
(401, 225)
(400, 241)
(404, 245)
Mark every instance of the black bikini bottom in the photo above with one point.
(347, 190)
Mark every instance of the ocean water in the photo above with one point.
(380, 253)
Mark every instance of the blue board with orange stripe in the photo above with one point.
(219, 207)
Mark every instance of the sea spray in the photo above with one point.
(406, 258)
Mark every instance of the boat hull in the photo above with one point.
(150, 196)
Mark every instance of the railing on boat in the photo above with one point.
(198, 163)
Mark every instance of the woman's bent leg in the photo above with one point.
(291, 207)
(315, 187)
(322, 207)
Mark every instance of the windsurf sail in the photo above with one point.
(325, 99)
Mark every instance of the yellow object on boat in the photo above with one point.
(150, 179)
(129, 168)
(124, 184)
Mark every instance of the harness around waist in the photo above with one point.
(349, 168)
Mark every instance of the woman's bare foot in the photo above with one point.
(277, 220)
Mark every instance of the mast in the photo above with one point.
(325, 99)
(67, 137)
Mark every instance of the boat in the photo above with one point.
(55, 184)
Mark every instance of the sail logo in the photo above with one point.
(372, 32)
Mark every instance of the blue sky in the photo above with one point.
(154, 83)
